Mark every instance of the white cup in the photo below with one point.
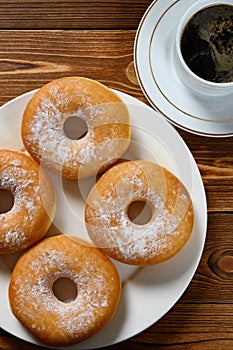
(193, 81)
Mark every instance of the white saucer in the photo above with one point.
(154, 65)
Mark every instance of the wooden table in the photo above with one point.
(46, 39)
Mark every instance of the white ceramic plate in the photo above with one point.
(156, 73)
(148, 293)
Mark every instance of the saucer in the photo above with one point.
(156, 73)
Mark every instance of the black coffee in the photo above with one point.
(207, 43)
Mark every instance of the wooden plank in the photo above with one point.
(36, 57)
(71, 14)
(215, 161)
(213, 280)
(191, 327)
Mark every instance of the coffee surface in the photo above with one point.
(207, 43)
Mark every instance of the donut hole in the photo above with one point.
(65, 289)
(139, 212)
(75, 128)
(6, 200)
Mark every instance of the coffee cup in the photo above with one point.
(204, 48)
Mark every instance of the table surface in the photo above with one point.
(43, 40)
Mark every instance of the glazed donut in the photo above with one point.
(107, 213)
(29, 188)
(106, 133)
(31, 293)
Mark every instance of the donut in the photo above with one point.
(31, 293)
(104, 121)
(166, 230)
(27, 201)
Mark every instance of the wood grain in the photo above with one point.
(71, 14)
(28, 59)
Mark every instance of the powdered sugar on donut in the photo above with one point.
(77, 314)
(16, 180)
(72, 320)
(129, 238)
(17, 224)
(110, 228)
(46, 141)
